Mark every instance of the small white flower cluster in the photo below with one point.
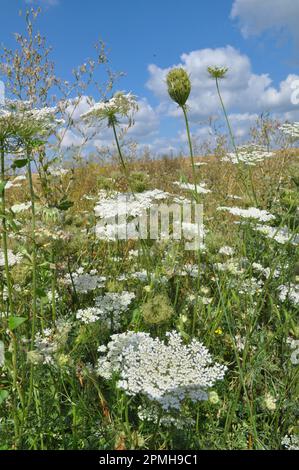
(240, 342)
(226, 250)
(12, 258)
(191, 231)
(166, 373)
(289, 293)
(115, 211)
(291, 442)
(232, 266)
(111, 306)
(189, 270)
(58, 171)
(250, 213)
(18, 118)
(15, 183)
(291, 130)
(248, 155)
(152, 415)
(88, 315)
(17, 208)
(120, 104)
(251, 286)
(266, 272)
(127, 204)
(49, 342)
(280, 234)
(85, 282)
(200, 188)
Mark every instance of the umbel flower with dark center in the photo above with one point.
(179, 86)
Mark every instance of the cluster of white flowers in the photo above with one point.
(248, 155)
(120, 104)
(15, 183)
(200, 188)
(250, 213)
(226, 250)
(291, 130)
(12, 258)
(281, 235)
(291, 442)
(191, 231)
(58, 171)
(233, 267)
(164, 372)
(127, 204)
(18, 118)
(289, 293)
(115, 210)
(189, 270)
(114, 231)
(85, 282)
(240, 342)
(251, 286)
(17, 208)
(152, 414)
(49, 342)
(266, 272)
(111, 306)
(88, 315)
(233, 196)
(200, 163)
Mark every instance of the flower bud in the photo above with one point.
(179, 86)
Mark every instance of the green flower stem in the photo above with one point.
(123, 164)
(34, 271)
(191, 149)
(10, 295)
(233, 138)
(4, 233)
(226, 117)
(53, 287)
(196, 196)
(143, 245)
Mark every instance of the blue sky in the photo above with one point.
(257, 39)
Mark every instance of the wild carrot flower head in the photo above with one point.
(120, 105)
(217, 72)
(164, 372)
(19, 119)
(179, 86)
(291, 130)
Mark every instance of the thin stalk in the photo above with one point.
(34, 271)
(190, 148)
(226, 118)
(231, 133)
(4, 233)
(53, 287)
(10, 293)
(123, 164)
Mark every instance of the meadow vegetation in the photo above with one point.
(141, 344)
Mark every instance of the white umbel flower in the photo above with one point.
(165, 372)
(248, 155)
(250, 213)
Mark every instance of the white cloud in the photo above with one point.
(245, 93)
(146, 121)
(257, 16)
